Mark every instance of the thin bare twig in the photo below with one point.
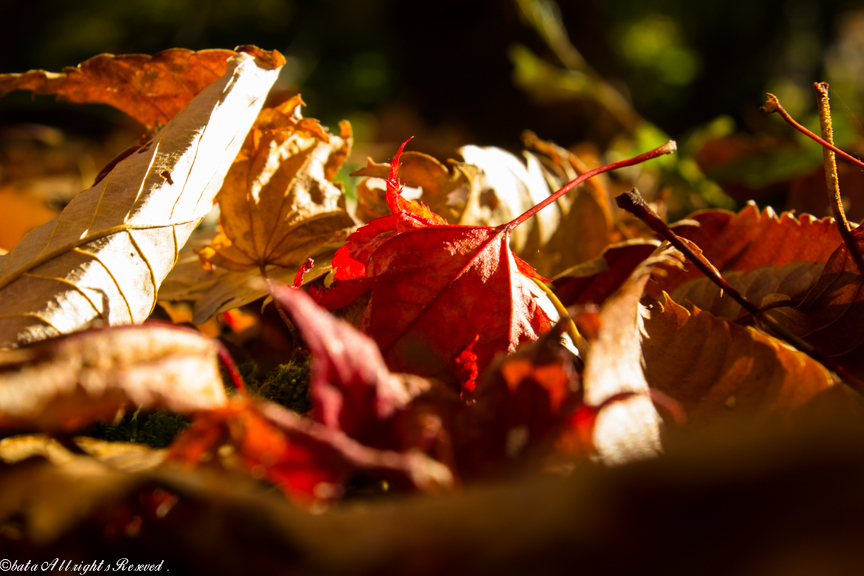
(773, 105)
(831, 180)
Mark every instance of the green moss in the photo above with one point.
(287, 385)
(156, 429)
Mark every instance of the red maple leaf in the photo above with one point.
(434, 286)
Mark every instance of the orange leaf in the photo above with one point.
(718, 370)
(150, 89)
(278, 204)
(308, 460)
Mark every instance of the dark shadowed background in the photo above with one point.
(454, 72)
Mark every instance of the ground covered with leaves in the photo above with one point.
(230, 354)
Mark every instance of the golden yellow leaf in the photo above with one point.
(219, 289)
(278, 204)
(105, 255)
(118, 455)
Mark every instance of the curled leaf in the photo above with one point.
(443, 190)
(278, 206)
(489, 188)
(352, 389)
(67, 384)
(587, 213)
(106, 254)
(627, 429)
(150, 89)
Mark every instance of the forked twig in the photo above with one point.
(829, 150)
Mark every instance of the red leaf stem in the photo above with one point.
(667, 148)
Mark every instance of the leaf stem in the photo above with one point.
(667, 148)
(832, 183)
(569, 325)
(263, 270)
(230, 367)
(634, 203)
(773, 105)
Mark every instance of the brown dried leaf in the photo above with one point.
(760, 286)
(278, 204)
(217, 290)
(831, 315)
(718, 370)
(593, 281)
(587, 223)
(441, 186)
(627, 429)
(751, 239)
(70, 383)
(150, 89)
(106, 254)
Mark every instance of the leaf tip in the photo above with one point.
(394, 186)
(772, 104)
(306, 267)
(270, 58)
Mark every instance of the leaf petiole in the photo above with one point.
(773, 105)
(666, 148)
(570, 326)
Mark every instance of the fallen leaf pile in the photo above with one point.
(432, 350)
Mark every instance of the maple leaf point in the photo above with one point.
(394, 186)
